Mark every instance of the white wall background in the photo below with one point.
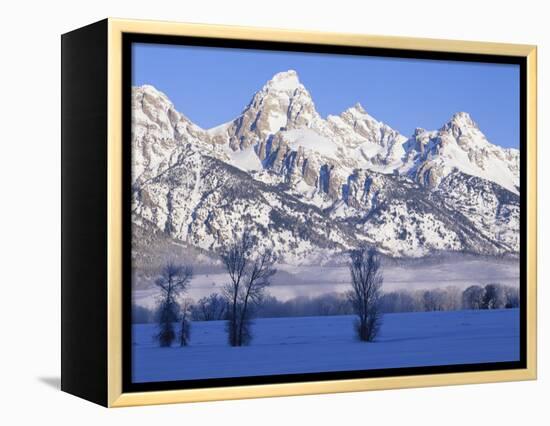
(30, 211)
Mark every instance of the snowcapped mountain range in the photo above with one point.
(311, 187)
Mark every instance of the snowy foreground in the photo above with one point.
(316, 344)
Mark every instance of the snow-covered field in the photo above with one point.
(317, 344)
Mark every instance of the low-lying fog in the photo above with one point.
(293, 281)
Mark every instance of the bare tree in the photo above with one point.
(249, 275)
(366, 281)
(235, 260)
(172, 282)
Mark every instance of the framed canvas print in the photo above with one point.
(250, 212)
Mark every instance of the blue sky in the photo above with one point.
(213, 85)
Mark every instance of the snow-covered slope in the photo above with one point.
(207, 203)
(312, 186)
(459, 145)
(375, 144)
(403, 219)
(494, 211)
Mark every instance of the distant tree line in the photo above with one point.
(490, 296)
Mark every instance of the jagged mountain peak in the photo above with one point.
(362, 128)
(153, 108)
(461, 120)
(459, 144)
(285, 81)
(283, 103)
(148, 88)
(356, 111)
(151, 93)
(358, 108)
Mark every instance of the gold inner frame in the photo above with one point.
(116, 398)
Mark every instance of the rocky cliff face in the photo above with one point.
(313, 187)
(282, 104)
(206, 203)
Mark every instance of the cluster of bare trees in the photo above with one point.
(172, 282)
(210, 308)
(250, 272)
(492, 296)
(451, 298)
